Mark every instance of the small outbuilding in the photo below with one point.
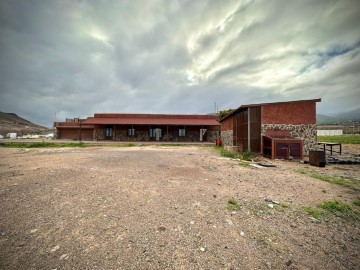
(246, 127)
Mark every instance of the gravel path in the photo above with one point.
(159, 207)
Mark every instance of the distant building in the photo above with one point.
(141, 127)
(246, 127)
(330, 130)
(11, 135)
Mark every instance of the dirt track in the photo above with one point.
(165, 208)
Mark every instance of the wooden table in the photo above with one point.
(331, 145)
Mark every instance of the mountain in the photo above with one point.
(353, 115)
(10, 122)
(326, 120)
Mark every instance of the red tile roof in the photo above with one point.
(191, 120)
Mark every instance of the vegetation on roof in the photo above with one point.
(225, 113)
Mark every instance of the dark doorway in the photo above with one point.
(109, 133)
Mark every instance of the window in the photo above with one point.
(181, 132)
(131, 132)
(108, 132)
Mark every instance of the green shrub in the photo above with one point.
(233, 204)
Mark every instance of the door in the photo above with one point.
(109, 133)
(157, 134)
(202, 133)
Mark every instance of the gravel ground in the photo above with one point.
(159, 207)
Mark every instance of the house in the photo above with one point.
(140, 127)
(248, 126)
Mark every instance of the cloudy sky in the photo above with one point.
(77, 58)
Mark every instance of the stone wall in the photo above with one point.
(172, 136)
(211, 136)
(99, 135)
(227, 138)
(305, 132)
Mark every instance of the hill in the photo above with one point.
(10, 122)
(354, 114)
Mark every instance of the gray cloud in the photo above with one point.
(76, 58)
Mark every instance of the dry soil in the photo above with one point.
(159, 207)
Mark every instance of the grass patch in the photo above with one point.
(126, 145)
(42, 145)
(335, 208)
(284, 205)
(233, 204)
(340, 139)
(243, 163)
(311, 211)
(225, 153)
(247, 155)
(353, 184)
(339, 209)
(172, 144)
(356, 202)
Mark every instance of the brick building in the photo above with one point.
(245, 128)
(141, 127)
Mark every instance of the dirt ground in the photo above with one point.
(157, 207)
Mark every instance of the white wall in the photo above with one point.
(334, 132)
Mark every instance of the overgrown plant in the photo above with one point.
(233, 204)
(336, 208)
(247, 155)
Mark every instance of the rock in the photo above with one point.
(202, 249)
(63, 257)
(161, 229)
(293, 225)
(55, 248)
(270, 205)
(242, 233)
(214, 196)
(289, 262)
(314, 220)
(192, 222)
(33, 230)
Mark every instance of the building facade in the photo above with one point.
(141, 127)
(245, 127)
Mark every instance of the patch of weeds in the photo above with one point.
(233, 204)
(243, 163)
(225, 153)
(247, 155)
(42, 145)
(172, 144)
(126, 145)
(80, 144)
(284, 205)
(311, 211)
(353, 184)
(339, 209)
(356, 202)
(260, 210)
